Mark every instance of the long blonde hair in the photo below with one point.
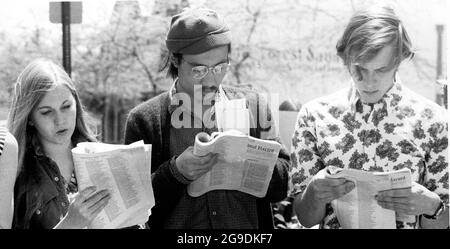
(39, 77)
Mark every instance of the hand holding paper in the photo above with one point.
(124, 170)
(326, 189)
(245, 163)
(416, 200)
(192, 165)
(359, 208)
(84, 208)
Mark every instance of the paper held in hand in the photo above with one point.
(359, 208)
(245, 163)
(233, 115)
(125, 171)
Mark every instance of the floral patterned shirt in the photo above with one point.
(403, 129)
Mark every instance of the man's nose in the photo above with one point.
(371, 81)
(210, 80)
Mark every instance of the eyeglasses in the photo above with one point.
(199, 72)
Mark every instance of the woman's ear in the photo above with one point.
(173, 60)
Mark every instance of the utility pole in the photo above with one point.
(66, 53)
(66, 13)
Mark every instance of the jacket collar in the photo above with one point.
(39, 168)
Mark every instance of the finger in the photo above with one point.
(202, 170)
(211, 162)
(398, 207)
(343, 189)
(198, 173)
(402, 192)
(85, 193)
(393, 206)
(332, 181)
(320, 188)
(349, 186)
(325, 197)
(94, 212)
(403, 207)
(206, 159)
(206, 162)
(209, 155)
(96, 197)
(99, 204)
(403, 200)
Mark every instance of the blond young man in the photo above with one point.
(378, 124)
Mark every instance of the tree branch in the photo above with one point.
(146, 70)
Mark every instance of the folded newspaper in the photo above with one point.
(125, 171)
(359, 208)
(245, 163)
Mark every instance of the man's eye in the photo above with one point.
(198, 69)
(362, 70)
(217, 69)
(66, 107)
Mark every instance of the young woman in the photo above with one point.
(47, 119)
(8, 173)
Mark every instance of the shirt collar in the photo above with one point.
(390, 99)
(172, 97)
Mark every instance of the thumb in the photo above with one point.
(349, 186)
(85, 193)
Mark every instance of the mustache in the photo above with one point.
(209, 89)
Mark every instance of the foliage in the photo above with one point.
(279, 46)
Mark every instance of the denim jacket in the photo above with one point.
(40, 194)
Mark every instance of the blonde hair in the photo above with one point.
(371, 29)
(39, 77)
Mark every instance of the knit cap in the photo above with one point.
(195, 31)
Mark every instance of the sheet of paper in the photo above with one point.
(359, 208)
(125, 171)
(233, 115)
